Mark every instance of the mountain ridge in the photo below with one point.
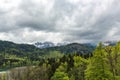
(14, 48)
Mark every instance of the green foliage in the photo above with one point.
(60, 76)
(60, 73)
(78, 69)
(53, 54)
(26, 62)
(97, 68)
(16, 55)
(32, 52)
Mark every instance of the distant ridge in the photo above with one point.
(42, 45)
(32, 51)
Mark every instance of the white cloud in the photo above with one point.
(59, 20)
(30, 36)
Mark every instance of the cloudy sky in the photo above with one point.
(29, 21)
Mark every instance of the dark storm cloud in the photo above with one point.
(65, 20)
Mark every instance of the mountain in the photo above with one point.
(17, 49)
(10, 48)
(109, 43)
(42, 45)
(62, 44)
(73, 48)
(26, 54)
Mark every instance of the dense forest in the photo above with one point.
(101, 64)
(17, 55)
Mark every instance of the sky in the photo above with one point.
(83, 21)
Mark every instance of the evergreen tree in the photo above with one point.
(78, 71)
(97, 68)
(60, 73)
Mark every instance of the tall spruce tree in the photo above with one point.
(116, 61)
(97, 68)
(60, 73)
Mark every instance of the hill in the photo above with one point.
(15, 55)
(7, 47)
(72, 48)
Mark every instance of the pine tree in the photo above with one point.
(60, 73)
(97, 68)
(116, 61)
(78, 71)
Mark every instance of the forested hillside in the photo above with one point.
(24, 49)
(16, 55)
(104, 64)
